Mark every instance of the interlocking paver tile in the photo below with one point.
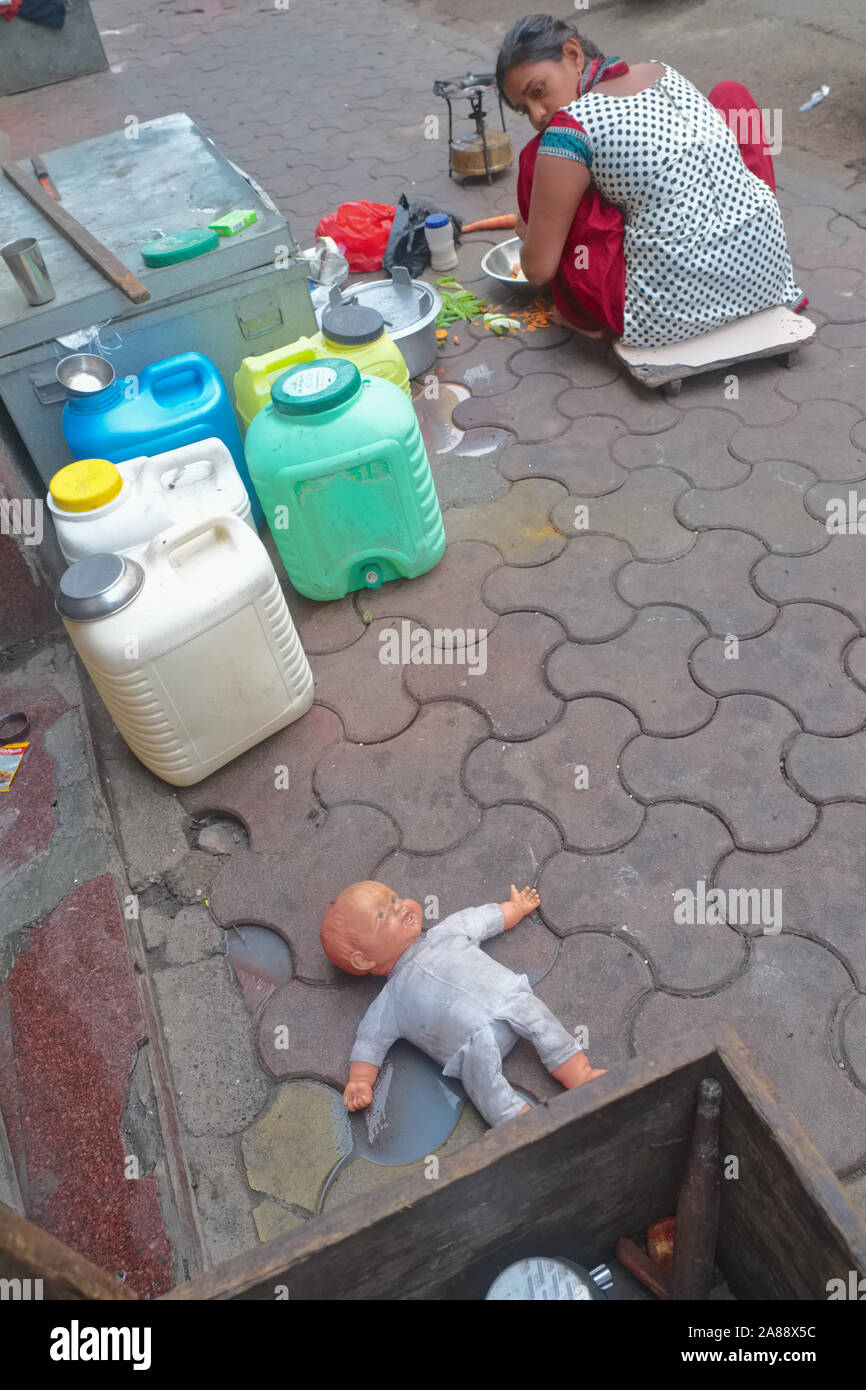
(576, 588)
(486, 368)
(855, 660)
(853, 1033)
(631, 890)
(518, 524)
(696, 446)
(322, 627)
(837, 292)
(365, 690)
(799, 661)
(592, 363)
(807, 229)
(505, 682)
(643, 410)
(834, 576)
(838, 507)
(851, 252)
(580, 458)
(570, 771)
(844, 335)
(827, 768)
(781, 1007)
(593, 985)
(712, 580)
(842, 380)
(308, 1030)
(270, 788)
(819, 437)
(647, 667)
(308, 1121)
(769, 504)
(745, 390)
(289, 891)
(528, 411)
(448, 596)
(732, 765)
(820, 881)
(414, 778)
(640, 512)
(508, 847)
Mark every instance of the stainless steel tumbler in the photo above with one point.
(24, 259)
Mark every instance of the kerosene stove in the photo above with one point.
(487, 151)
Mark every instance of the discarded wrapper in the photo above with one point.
(10, 761)
(815, 98)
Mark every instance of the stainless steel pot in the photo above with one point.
(409, 308)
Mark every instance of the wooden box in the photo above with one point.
(571, 1177)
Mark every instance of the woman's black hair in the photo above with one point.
(537, 38)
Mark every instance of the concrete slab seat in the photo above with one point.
(770, 333)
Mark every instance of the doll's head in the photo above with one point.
(539, 66)
(368, 927)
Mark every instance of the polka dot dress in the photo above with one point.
(704, 241)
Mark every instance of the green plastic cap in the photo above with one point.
(311, 387)
(182, 246)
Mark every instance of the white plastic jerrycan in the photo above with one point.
(100, 507)
(190, 645)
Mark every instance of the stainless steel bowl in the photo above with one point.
(83, 373)
(501, 260)
(98, 586)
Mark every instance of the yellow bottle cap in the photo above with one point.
(85, 485)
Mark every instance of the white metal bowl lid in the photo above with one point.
(543, 1278)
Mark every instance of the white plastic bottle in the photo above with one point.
(190, 645)
(440, 239)
(100, 507)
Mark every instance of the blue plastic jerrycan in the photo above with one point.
(179, 401)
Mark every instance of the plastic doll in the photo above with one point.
(445, 995)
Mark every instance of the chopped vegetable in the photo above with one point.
(490, 224)
(500, 324)
(441, 334)
(457, 303)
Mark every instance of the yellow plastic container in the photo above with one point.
(353, 331)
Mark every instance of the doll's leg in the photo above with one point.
(482, 1077)
(556, 1048)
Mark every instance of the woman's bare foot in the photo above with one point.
(558, 318)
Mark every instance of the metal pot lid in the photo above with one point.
(98, 586)
(406, 305)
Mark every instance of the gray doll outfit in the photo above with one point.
(465, 1010)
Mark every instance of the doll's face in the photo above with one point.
(385, 922)
(540, 89)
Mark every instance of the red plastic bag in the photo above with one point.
(362, 229)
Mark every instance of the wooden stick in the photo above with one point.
(698, 1207)
(642, 1267)
(84, 241)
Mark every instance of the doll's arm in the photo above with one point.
(359, 1092)
(519, 906)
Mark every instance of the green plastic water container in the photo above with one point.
(340, 467)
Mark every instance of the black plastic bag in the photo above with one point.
(407, 244)
(49, 12)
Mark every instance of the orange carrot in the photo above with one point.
(491, 224)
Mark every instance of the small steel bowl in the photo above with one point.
(98, 586)
(83, 373)
(501, 260)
